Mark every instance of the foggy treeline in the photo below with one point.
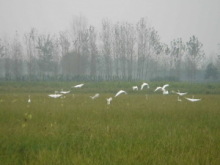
(117, 51)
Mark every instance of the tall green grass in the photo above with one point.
(134, 129)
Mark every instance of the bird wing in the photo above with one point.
(78, 86)
(143, 85)
(181, 94)
(166, 85)
(135, 87)
(192, 100)
(65, 92)
(158, 88)
(120, 92)
(95, 96)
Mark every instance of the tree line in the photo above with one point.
(118, 51)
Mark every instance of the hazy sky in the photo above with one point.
(171, 18)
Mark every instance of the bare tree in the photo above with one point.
(116, 48)
(130, 46)
(195, 56)
(2, 49)
(17, 58)
(45, 48)
(177, 52)
(106, 38)
(125, 49)
(80, 40)
(93, 51)
(30, 41)
(64, 43)
(218, 59)
(6, 56)
(153, 53)
(143, 39)
(3, 57)
(57, 56)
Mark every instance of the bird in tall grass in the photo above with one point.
(109, 100)
(135, 88)
(29, 99)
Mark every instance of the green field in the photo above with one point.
(135, 129)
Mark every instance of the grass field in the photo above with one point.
(135, 129)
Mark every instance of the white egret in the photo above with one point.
(109, 100)
(64, 92)
(143, 85)
(166, 85)
(78, 86)
(135, 88)
(161, 88)
(165, 92)
(192, 99)
(158, 88)
(181, 93)
(120, 92)
(95, 96)
(29, 99)
(55, 95)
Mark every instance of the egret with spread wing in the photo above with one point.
(120, 92)
(144, 84)
(78, 86)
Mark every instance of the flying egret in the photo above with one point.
(95, 96)
(109, 100)
(78, 86)
(29, 99)
(192, 99)
(166, 85)
(64, 92)
(143, 85)
(158, 88)
(55, 95)
(120, 92)
(161, 88)
(181, 93)
(135, 88)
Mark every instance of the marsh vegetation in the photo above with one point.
(133, 129)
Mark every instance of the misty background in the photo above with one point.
(110, 40)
